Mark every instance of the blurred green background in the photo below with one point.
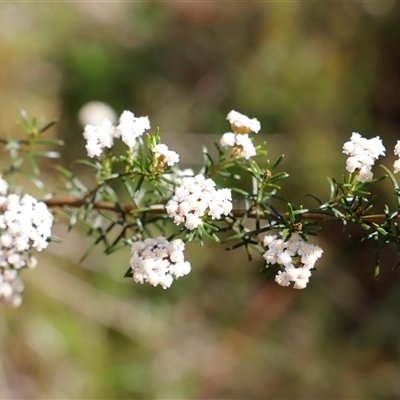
(312, 73)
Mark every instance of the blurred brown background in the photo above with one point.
(312, 73)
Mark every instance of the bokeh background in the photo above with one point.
(312, 73)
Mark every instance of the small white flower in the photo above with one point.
(365, 174)
(105, 133)
(396, 165)
(24, 225)
(287, 254)
(246, 145)
(282, 278)
(131, 127)
(165, 155)
(284, 258)
(93, 149)
(228, 139)
(397, 148)
(98, 137)
(102, 135)
(242, 124)
(362, 154)
(268, 239)
(352, 164)
(158, 261)
(240, 142)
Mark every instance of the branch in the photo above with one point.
(160, 209)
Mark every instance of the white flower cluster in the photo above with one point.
(241, 142)
(396, 164)
(362, 154)
(165, 155)
(195, 197)
(158, 261)
(295, 255)
(131, 127)
(242, 124)
(25, 223)
(100, 136)
(11, 288)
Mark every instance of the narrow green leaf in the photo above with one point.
(332, 189)
(129, 273)
(139, 184)
(127, 183)
(191, 235)
(234, 237)
(46, 127)
(236, 246)
(208, 161)
(109, 177)
(46, 154)
(314, 197)
(395, 266)
(255, 168)
(277, 162)
(377, 271)
(391, 176)
(115, 247)
(94, 165)
(249, 256)
(240, 191)
(221, 152)
(55, 239)
(87, 252)
(380, 230)
(157, 186)
(29, 157)
(278, 177)
(290, 212)
(73, 219)
(25, 118)
(89, 208)
(210, 236)
(36, 181)
(210, 226)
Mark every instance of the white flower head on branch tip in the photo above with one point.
(195, 197)
(362, 154)
(25, 224)
(98, 137)
(296, 256)
(158, 261)
(396, 164)
(241, 144)
(101, 136)
(164, 155)
(242, 124)
(131, 127)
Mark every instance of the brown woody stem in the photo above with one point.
(160, 209)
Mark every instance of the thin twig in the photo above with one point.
(160, 209)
